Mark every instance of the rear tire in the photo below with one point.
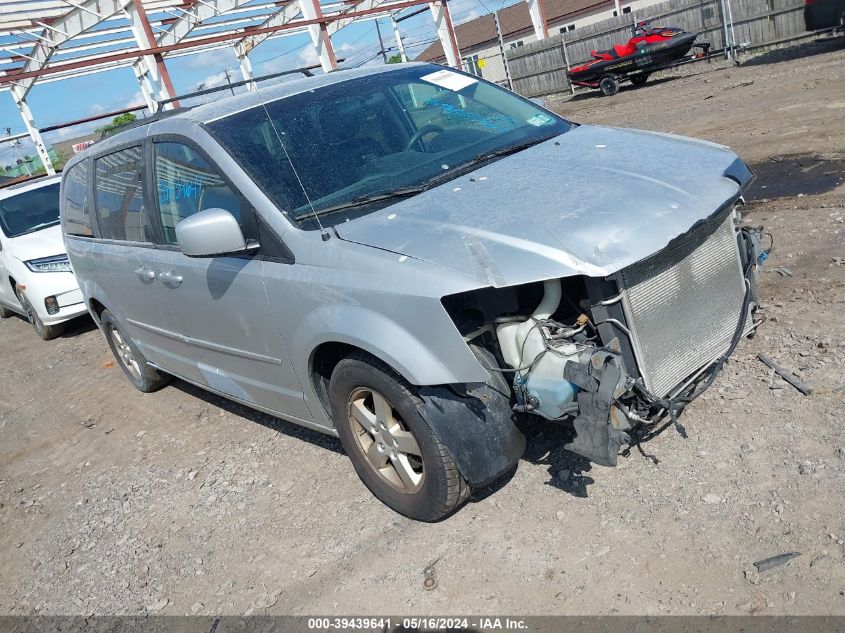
(639, 80)
(44, 331)
(129, 357)
(608, 85)
(381, 424)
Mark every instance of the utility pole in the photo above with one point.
(381, 43)
(16, 145)
(229, 81)
(21, 157)
(502, 49)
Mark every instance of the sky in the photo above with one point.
(72, 99)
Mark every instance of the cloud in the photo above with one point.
(210, 59)
(346, 48)
(74, 131)
(275, 65)
(136, 99)
(307, 56)
(213, 80)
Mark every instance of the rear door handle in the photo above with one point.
(170, 279)
(145, 274)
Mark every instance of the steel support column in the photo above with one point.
(538, 19)
(182, 28)
(398, 36)
(153, 71)
(34, 134)
(147, 90)
(245, 65)
(319, 34)
(446, 32)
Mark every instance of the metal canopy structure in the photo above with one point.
(52, 40)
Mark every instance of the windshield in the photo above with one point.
(30, 211)
(347, 149)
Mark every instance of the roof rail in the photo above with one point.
(158, 116)
(304, 70)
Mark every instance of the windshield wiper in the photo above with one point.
(483, 157)
(378, 196)
(504, 151)
(38, 227)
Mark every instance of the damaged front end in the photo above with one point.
(618, 356)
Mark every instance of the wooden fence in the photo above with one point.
(539, 68)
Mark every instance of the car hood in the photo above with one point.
(44, 243)
(589, 202)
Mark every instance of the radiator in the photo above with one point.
(683, 304)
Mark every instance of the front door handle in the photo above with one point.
(170, 279)
(145, 274)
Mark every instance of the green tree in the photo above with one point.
(61, 159)
(396, 58)
(116, 123)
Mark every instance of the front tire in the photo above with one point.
(44, 331)
(5, 313)
(129, 357)
(381, 425)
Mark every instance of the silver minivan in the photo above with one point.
(409, 257)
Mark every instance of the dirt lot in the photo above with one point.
(179, 502)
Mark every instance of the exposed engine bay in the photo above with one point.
(622, 356)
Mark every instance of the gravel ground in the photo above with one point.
(178, 502)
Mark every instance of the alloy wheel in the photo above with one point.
(124, 353)
(384, 439)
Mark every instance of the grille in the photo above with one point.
(682, 304)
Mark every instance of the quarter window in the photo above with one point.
(76, 218)
(187, 183)
(121, 214)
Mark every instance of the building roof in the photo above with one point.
(514, 20)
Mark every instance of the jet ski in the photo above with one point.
(649, 49)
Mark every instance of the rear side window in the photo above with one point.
(187, 183)
(77, 220)
(121, 214)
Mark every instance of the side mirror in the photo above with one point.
(211, 232)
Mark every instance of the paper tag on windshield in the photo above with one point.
(449, 80)
(539, 119)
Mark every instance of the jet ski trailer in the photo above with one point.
(650, 49)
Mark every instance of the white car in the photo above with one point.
(36, 280)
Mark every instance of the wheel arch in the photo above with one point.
(96, 308)
(376, 334)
